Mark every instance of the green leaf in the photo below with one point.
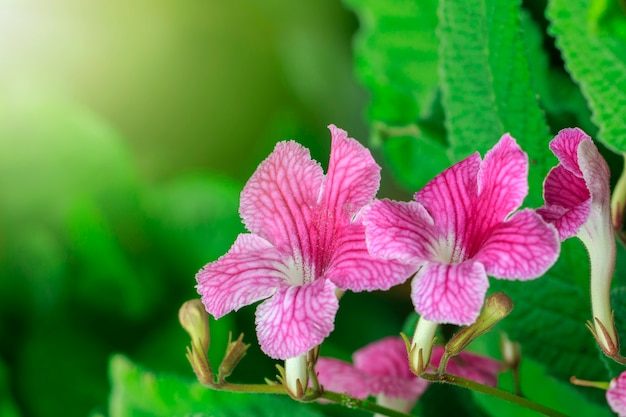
(597, 61)
(396, 57)
(448, 400)
(549, 318)
(618, 303)
(138, 392)
(561, 99)
(486, 84)
(557, 395)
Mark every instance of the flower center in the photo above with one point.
(295, 272)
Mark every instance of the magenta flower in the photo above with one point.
(461, 228)
(616, 395)
(577, 195)
(306, 239)
(382, 369)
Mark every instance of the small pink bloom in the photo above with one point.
(382, 369)
(306, 239)
(462, 227)
(616, 395)
(577, 195)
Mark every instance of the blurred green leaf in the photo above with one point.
(137, 392)
(597, 62)
(486, 83)
(103, 274)
(549, 317)
(63, 358)
(8, 408)
(194, 219)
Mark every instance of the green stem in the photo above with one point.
(335, 397)
(493, 392)
(366, 405)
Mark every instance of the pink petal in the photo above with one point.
(385, 357)
(450, 293)
(478, 368)
(449, 196)
(565, 147)
(277, 201)
(386, 362)
(502, 181)
(341, 377)
(595, 172)
(296, 319)
(249, 272)
(352, 267)
(524, 247)
(567, 201)
(402, 231)
(616, 395)
(353, 176)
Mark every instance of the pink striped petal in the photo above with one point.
(402, 231)
(449, 196)
(277, 201)
(296, 319)
(565, 147)
(524, 247)
(502, 181)
(353, 176)
(385, 357)
(342, 377)
(387, 363)
(478, 368)
(579, 183)
(450, 293)
(568, 201)
(616, 395)
(249, 272)
(353, 268)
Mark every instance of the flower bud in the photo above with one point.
(195, 321)
(234, 352)
(497, 306)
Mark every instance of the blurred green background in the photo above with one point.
(127, 129)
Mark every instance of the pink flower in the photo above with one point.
(462, 227)
(306, 239)
(382, 369)
(577, 195)
(616, 395)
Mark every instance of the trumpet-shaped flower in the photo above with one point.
(462, 227)
(306, 240)
(577, 196)
(382, 369)
(616, 395)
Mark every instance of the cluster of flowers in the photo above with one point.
(313, 236)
